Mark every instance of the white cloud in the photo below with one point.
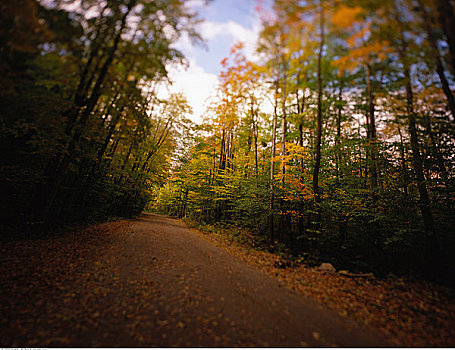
(186, 46)
(210, 30)
(196, 4)
(196, 84)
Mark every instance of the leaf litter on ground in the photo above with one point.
(36, 271)
(412, 313)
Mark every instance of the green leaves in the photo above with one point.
(83, 134)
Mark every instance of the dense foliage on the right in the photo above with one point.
(338, 143)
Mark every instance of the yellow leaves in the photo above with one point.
(292, 213)
(296, 151)
(293, 152)
(346, 16)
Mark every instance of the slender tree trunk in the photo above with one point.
(432, 40)
(372, 144)
(447, 19)
(80, 96)
(159, 143)
(415, 147)
(425, 208)
(317, 162)
(115, 120)
(56, 177)
(432, 266)
(112, 151)
(434, 145)
(417, 160)
(222, 149)
(403, 163)
(338, 135)
(255, 133)
(300, 109)
(272, 166)
(283, 124)
(227, 152)
(232, 149)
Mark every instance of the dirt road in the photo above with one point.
(152, 282)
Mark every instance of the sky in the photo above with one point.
(225, 23)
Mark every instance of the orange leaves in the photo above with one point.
(409, 313)
(364, 48)
(224, 62)
(345, 16)
(237, 47)
(361, 54)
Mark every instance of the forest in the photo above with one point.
(336, 144)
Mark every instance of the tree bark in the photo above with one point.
(432, 40)
(272, 165)
(317, 162)
(222, 161)
(56, 177)
(338, 135)
(372, 144)
(417, 160)
(403, 163)
(447, 19)
(432, 242)
(283, 123)
(441, 162)
(255, 134)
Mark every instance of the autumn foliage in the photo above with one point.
(336, 143)
(84, 135)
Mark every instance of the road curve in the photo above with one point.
(155, 283)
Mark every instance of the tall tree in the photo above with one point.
(317, 162)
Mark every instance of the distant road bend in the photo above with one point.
(156, 283)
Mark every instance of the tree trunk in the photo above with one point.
(110, 132)
(447, 20)
(272, 166)
(432, 266)
(227, 152)
(338, 135)
(432, 40)
(222, 149)
(317, 162)
(417, 161)
(56, 177)
(440, 160)
(403, 163)
(255, 134)
(416, 156)
(300, 109)
(372, 145)
(283, 124)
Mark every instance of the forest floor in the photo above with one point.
(152, 282)
(412, 313)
